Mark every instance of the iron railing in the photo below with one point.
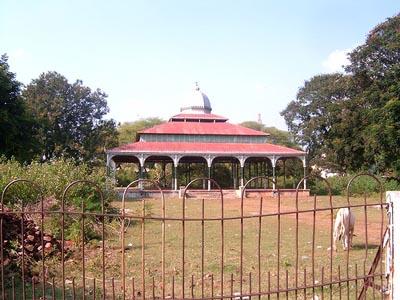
(207, 253)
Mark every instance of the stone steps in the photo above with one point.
(214, 194)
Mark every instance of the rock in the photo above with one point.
(47, 238)
(29, 247)
(47, 246)
(39, 248)
(30, 237)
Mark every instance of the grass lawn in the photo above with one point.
(208, 281)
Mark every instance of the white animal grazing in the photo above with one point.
(344, 228)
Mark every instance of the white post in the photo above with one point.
(175, 159)
(175, 178)
(273, 163)
(393, 262)
(142, 160)
(209, 160)
(242, 160)
(111, 166)
(303, 159)
(209, 181)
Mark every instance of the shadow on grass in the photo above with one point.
(37, 293)
(362, 246)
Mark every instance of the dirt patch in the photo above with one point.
(251, 207)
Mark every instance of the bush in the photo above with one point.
(392, 185)
(360, 185)
(52, 178)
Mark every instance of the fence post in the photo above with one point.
(393, 261)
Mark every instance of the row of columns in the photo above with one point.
(209, 159)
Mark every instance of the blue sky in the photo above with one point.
(249, 57)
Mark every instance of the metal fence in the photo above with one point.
(189, 248)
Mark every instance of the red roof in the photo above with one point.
(203, 128)
(199, 117)
(201, 148)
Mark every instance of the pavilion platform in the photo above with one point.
(133, 194)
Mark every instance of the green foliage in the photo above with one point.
(126, 173)
(222, 174)
(128, 131)
(53, 177)
(316, 118)
(73, 231)
(70, 117)
(16, 125)
(276, 136)
(351, 122)
(360, 186)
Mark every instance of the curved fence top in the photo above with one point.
(351, 181)
(268, 180)
(211, 180)
(15, 182)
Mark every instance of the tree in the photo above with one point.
(351, 121)
(276, 136)
(375, 67)
(128, 131)
(70, 117)
(317, 114)
(16, 125)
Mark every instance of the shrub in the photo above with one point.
(360, 185)
(52, 178)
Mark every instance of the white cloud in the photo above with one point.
(18, 55)
(336, 60)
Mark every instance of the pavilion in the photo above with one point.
(196, 135)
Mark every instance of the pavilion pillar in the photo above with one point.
(204, 181)
(284, 173)
(172, 176)
(273, 178)
(303, 159)
(141, 171)
(142, 160)
(273, 162)
(189, 174)
(242, 160)
(175, 159)
(209, 160)
(111, 166)
(234, 175)
(164, 178)
(175, 178)
(209, 181)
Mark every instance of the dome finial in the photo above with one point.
(197, 103)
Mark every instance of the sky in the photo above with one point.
(249, 57)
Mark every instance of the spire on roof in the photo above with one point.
(197, 102)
